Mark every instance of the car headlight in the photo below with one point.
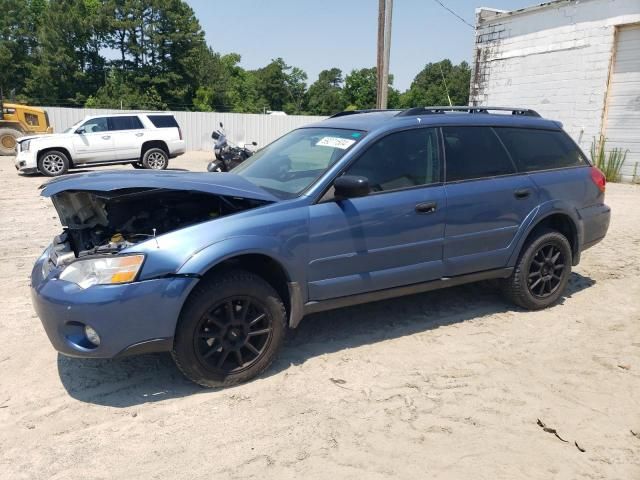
(103, 270)
(24, 146)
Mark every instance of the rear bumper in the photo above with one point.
(176, 147)
(130, 318)
(595, 224)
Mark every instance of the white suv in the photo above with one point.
(145, 140)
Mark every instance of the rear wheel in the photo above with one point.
(8, 138)
(230, 330)
(542, 271)
(155, 159)
(53, 163)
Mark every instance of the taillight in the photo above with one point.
(180, 132)
(598, 178)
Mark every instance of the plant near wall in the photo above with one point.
(635, 178)
(610, 164)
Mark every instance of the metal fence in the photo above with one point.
(197, 126)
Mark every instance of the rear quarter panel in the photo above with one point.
(568, 191)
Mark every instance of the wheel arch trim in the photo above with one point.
(544, 212)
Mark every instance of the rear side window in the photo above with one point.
(401, 160)
(474, 152)
(125, 123)
(163, 121)
(540, 149)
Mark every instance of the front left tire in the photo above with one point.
(8, 138)
(230, 329)
(53, 163)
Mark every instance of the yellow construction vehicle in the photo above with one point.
(18, 121)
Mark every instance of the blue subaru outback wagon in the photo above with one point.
(363, 206)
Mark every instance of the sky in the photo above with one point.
(320, 34)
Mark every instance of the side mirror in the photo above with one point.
(221, 126)
(351, 186)
(255, 144)
(80, 131)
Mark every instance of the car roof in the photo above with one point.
(391, 119)
(128, 114)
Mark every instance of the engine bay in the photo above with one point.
(107, 222)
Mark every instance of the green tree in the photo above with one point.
(281, 86)
(428, 87)
(67, 65)
(324, 96)
(360, 90)
(19, 23)
(118, 92)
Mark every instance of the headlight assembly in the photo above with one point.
(103, 270)
(24, 146)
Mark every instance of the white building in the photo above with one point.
(577, 61)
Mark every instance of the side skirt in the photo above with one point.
(333, 303)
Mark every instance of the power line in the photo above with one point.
(454, 13)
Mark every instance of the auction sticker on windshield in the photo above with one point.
(336, 142)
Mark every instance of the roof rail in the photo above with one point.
(368, 110)
(470, 109)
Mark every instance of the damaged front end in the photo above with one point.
(104, 222)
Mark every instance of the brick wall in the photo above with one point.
(553, 58)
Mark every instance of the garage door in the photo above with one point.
(622, 127)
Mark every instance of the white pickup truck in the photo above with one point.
(145, 140)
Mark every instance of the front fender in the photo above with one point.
(202, 261)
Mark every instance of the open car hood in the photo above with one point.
(226, 184)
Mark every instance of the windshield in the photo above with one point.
(73, 127)
(292, 163)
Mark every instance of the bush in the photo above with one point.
(611, 163)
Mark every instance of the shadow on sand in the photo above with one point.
(136, 380)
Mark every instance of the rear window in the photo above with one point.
(163, 121)
(125, 123)
(474, 152)
(540, 149)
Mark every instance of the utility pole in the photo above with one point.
(385, 8)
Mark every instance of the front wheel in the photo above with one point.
(542, 271)
(8, 138)
(53, 163)
(230, 330)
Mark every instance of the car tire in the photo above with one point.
(542, 272)
(155, 159)
(8, 138)
(230, 329)
(137, 165)
(53, 163)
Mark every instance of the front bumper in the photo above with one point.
(130, 318)
(26, 162)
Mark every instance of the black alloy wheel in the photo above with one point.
(233, 335)
(546, 271)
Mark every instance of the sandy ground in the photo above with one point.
(448, 384)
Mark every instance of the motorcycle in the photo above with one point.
(227, 155)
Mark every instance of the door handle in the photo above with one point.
(139, 134)
(426, 207)
(522, 192)
(106, 137)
